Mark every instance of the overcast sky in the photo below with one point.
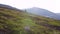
(51, 5)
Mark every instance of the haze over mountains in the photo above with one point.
(37, 11)
(43, 12)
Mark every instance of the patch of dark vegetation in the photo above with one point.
(49, 26)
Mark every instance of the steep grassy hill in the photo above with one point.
(20, 22)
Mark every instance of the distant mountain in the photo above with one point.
(43, 12)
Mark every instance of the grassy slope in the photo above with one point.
(18, 22)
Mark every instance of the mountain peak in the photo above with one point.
(35, 8)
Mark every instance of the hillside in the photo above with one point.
(20, 22)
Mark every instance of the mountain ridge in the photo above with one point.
(8, 7)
